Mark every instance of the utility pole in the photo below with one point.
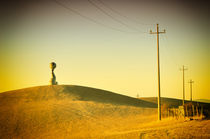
(137, 96)
(191, 82)
(158, 63)
(183, 69)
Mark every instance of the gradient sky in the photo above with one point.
(94, 54)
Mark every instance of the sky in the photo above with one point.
(106, 44)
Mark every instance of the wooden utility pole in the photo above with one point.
(183, 69)
(191, 82)
(158, 63)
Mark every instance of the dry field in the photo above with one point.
(80, 112)
(167, 129)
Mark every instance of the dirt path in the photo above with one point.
(168, 129)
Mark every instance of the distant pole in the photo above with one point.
(158, 63)
(191, 82)
(137, 96)
(183, 69)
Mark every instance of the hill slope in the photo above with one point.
(203, 100)
(172, 102)
(63, 111)
(73, 93)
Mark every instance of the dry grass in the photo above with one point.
(68, 112)
(80, 112)
(169, 129)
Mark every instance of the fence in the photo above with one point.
(189, 111)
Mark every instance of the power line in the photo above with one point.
(112, 17)
(93, 20)
(120, 14)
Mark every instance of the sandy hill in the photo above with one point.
(64, 111)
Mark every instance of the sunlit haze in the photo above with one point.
(110, 50)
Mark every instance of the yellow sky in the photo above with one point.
(91, 55)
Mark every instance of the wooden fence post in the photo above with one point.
(186, 111)
(174, 113)
(168, 113)
(201, 111)
(197, 111)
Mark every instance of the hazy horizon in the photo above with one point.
(114, 51)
